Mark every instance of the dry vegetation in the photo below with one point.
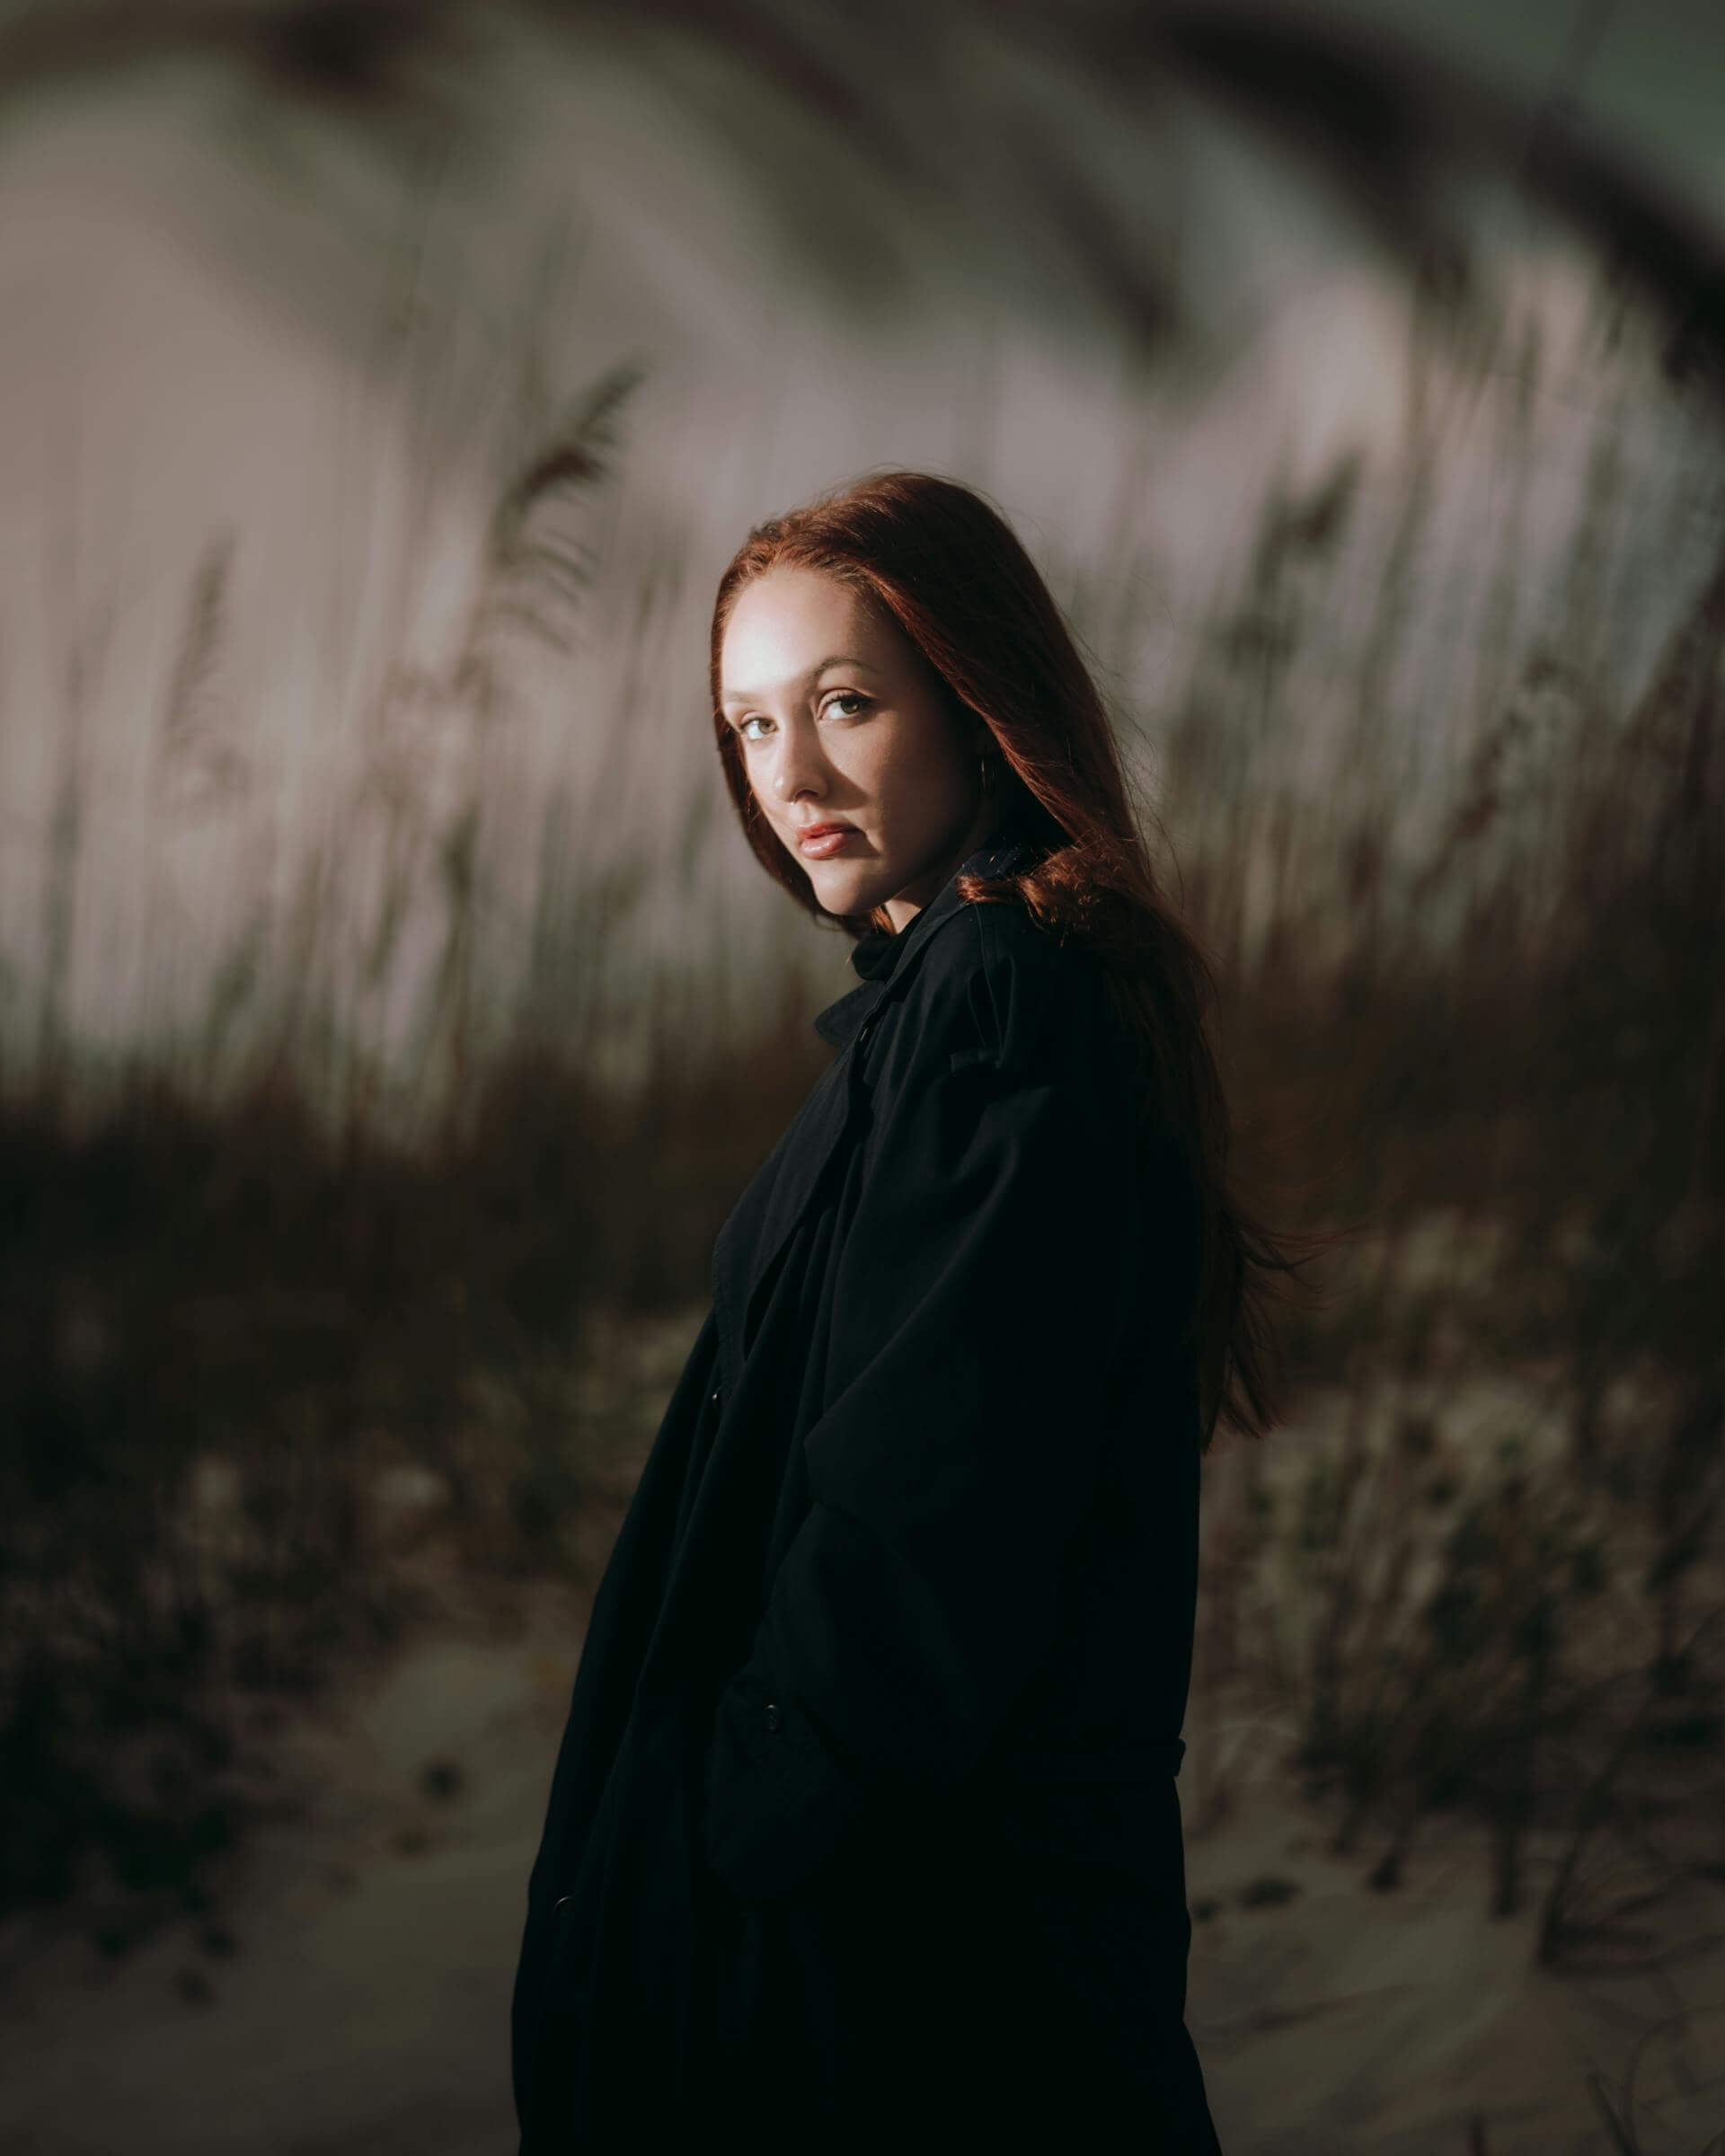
(1484, 1567)
(257, 1359)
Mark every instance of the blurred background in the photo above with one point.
(390, 1010)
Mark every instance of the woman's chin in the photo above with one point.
(843, 887)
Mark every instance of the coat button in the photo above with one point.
(770, 1714)
(713, 1396)
(562, 1902)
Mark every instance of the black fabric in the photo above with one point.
(865, 1819)
(874, 955)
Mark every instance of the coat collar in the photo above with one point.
(798, 1161)
(879, 956)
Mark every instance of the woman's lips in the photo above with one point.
(827, 842)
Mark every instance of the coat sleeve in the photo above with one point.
(986, 1288)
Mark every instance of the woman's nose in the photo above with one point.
(797, 763)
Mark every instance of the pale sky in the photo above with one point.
(163, 376)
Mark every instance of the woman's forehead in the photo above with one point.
(782, 632)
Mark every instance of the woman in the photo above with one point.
(866, 1821)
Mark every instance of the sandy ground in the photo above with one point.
(363, 2005)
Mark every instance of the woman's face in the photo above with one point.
(841, 722)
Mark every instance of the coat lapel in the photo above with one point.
(742, 1263)
(798, 1163)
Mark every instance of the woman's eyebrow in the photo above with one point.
(839, 658)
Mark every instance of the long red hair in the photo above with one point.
(950, 569)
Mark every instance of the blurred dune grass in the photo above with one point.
(244, 1343)
(280, 1366)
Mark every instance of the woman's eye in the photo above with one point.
(837, 697)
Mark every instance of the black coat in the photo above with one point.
(864, 1818)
